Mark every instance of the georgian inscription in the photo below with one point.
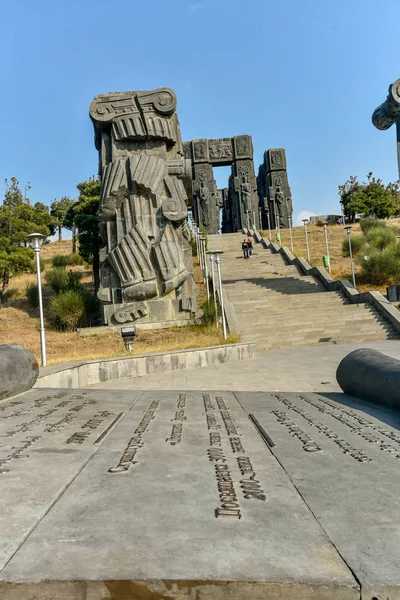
(18, 452)
(362, 427)
(308, 444)
(249, 484)
(177, 428)
(92, 424)
(345, 446)
(136, 442)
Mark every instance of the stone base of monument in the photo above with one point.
(168, 312)
(181, 495)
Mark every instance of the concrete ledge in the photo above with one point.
(84, 373)
(372, 376)
(374, 298)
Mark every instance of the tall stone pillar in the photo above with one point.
(146, 261)
(273, 188)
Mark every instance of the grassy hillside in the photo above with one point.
(340, 266)
(19, 324)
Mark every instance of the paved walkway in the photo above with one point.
(290, 370)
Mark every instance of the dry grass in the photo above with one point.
(63, 248)
(340, 265)
(19, 324)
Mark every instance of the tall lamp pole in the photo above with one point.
(36, 240)
(212, 260)
(305, 221)
(290, 233)
(221, 299)
(205, 267)
(348, 229)
(327, 247)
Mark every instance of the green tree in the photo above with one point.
(84, 215)
(18, 218)
(59, 210)
(369, 199)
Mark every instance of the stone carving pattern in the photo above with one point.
(143, 203)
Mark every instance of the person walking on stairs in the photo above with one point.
(250, 247)
(245, 249)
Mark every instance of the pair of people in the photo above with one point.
(247, 247)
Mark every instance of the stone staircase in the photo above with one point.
(277, 307)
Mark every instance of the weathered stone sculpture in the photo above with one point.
(275, 198)
(388, 113)
(146, 262)
(236, 152)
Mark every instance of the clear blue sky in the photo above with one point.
(300, 74)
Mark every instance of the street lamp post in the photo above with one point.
(221, 300)
(35, 240)
(327, 247)
(254, 221)
(305, 221)
(205, 267)
(212, 260)
(269, 225)
(290, 233)
(348, 229)
(260, 217)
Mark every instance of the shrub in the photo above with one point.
(381, 267)
(370, 223)
(57, 278)
(59, 261)
(67, 310)
(32, 295)
(32, 265)
(357, 244)
(193, 245)
(75, 259)
(381, 237)
(73, 280)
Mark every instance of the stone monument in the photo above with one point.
(240, 207)
(388, 113)
(275, 197)
(146, 267)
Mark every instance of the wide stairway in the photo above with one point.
(277, 307)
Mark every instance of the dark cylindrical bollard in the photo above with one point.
(370, 375)
(19, 370)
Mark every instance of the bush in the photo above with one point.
(67, 310)
(74, 259)
(32, 265)
(357, 244)
(381, 237)
(192, 242)
(32, 295)
(381, 267)
(57, 278)
(370, 223)
(59, 261)
(73, 280)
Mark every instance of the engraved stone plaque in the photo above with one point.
(170, 491)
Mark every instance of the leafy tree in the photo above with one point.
(369, 199)
(84, 215)
(18, 218)
(59, 210)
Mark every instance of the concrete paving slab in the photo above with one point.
(343, 457)
(182, 499)
(46, 438)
